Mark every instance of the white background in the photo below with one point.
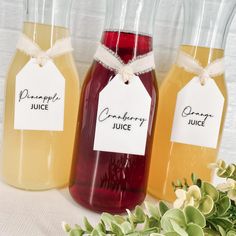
(38, 214)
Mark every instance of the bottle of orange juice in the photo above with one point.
(193, 100)
(41, 104)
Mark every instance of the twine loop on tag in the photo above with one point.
(204, 76)
(42, 58)
(191, 65)
(127, 73)
(111, 61)
(30, 48)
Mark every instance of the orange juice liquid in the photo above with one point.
(170, 160)
(37, 160)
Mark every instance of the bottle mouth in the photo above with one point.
(131, 16)
(48, 12)
(207, 22)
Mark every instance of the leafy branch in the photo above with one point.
(200, 209)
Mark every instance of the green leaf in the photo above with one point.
(178, 229)
(119, 219)
(222, 231)
(163, 208)
(173, 214)
(88, 226)
(210, 232)
(131, 218)
(153, 210)
(223, 205)
(222, 173)
(195, 192)
(230, 170)
(149, 231)
(153, 222)
(193, 215)
(134, 234)
(126, 228)
(206, 205)
(232, 194)
(66, 227)
(101, 228)
(76, 232)
(223, 222)
(194, 230)
(77, 227)
(116, 229)
(96, 232)
(210, 190)
(146, 223)
(212, 213)
(139, 213)
(172, 234)
(231, 233)
(194, 178)
(156, 234)
(107, 219)
(221, 164)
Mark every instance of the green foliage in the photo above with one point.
(225, 171)
(200, 209)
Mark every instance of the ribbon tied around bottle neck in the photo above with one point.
(191, 65)
(30, 48)
(139, 65)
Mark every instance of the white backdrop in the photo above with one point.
(37, 213)
(86, 27)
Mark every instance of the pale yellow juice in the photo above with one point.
(37, 160)
(172, 161)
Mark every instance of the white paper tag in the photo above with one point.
(123, 117)
(39, 97)
(198, 114)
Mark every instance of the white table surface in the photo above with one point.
(25, 213)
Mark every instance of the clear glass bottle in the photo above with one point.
(32, 159)
(110, 181)
(205, 31)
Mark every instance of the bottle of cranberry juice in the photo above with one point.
(104, 180)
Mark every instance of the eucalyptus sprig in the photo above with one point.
(225, 171)
(200, 209)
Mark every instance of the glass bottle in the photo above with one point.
(111, 181)
(205, 31)
(36, 159)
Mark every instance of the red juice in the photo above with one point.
(107, 181)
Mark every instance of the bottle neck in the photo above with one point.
(207, 22)
(204, 55)
(50, 12)
(47, 21)
(129, 27)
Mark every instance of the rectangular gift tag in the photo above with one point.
(198, 114)
(123, 117)
(39, 97)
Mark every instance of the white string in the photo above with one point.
(110, 60)
(61, 47)
(191, 65)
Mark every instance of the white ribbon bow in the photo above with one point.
(141, 64)
(191, 65)
(61, 47)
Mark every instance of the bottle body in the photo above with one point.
(170, 160)
(38, 160)
(109, 181)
